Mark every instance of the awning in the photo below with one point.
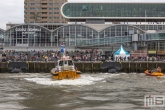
(151, 52)
(161, 52)
(121, 51)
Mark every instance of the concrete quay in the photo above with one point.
(87, 67)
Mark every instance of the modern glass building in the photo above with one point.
(105, 26)
(27, 35)
(80, 36)
(114, 11)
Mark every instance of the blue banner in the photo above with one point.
(62, 48)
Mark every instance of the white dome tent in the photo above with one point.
(121, 53)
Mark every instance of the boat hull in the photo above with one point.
(67, 74)
(153, 73)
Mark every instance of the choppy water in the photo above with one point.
(29, 91)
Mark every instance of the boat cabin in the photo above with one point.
(65, 64)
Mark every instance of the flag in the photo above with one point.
(62, 48)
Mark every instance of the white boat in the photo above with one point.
(65, 69)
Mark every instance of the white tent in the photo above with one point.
(121, 53)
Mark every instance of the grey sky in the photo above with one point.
(13, 10)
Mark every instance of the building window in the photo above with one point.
(32, 4)
(50, 12)
(44, 17)
(31, 8)
(37, 8)
(50, 17)
(38, 4)
(31, 17)
(56, 12)
(31, 12)
(38, 17)
(56, 17)
(44, 8)
(44, 4)
(44, 12)
(56, 8)
(56, 4)
(50, 4)
(50, 8)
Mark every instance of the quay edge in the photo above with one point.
(87, 67)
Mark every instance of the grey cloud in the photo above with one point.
(11, 11)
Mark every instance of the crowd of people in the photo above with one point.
(33, 55)
(76, 55)
(148, 58)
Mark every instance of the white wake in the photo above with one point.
(85, 79)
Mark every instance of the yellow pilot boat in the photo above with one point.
(65, 69)
(149, 73)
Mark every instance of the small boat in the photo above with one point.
(65, 69)
(149, 73)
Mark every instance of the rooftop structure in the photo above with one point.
(50, 26)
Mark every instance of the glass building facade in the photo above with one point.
(151, 27)
(27, 35)
(1, 37)
(113, 34)
(81, 35)
(73, 35)
(110, 10)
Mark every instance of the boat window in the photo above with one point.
(70, 62)
(60, 63)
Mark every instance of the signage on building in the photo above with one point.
(139, 53)
(151, 52)
(28, 30)
(161, 52)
